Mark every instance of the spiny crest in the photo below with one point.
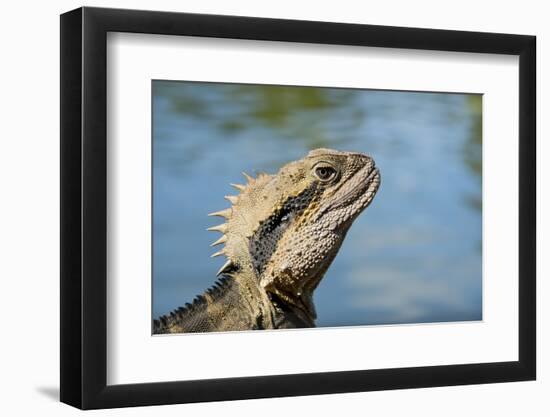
(173, 316)
(240, 219)
(200, 301)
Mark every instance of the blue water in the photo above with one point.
(413, 256)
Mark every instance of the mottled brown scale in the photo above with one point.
(280, 236)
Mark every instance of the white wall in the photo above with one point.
(29, 176)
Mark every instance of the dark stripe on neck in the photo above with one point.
(265, 240)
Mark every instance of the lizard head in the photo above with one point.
(287, 228)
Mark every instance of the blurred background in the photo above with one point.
(413, 256)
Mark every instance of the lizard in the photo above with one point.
(280, 236)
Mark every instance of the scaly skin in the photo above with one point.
(280, 236)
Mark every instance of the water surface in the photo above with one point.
(413, 256)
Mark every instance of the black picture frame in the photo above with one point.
(84, 207)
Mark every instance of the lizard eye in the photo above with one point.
(324, 172)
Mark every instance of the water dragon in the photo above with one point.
(280, 235)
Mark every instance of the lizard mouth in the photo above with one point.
(353, 197)
(373, 182)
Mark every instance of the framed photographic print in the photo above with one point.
(378, 226)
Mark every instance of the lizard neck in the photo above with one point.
(276, 309)
(253, 297)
